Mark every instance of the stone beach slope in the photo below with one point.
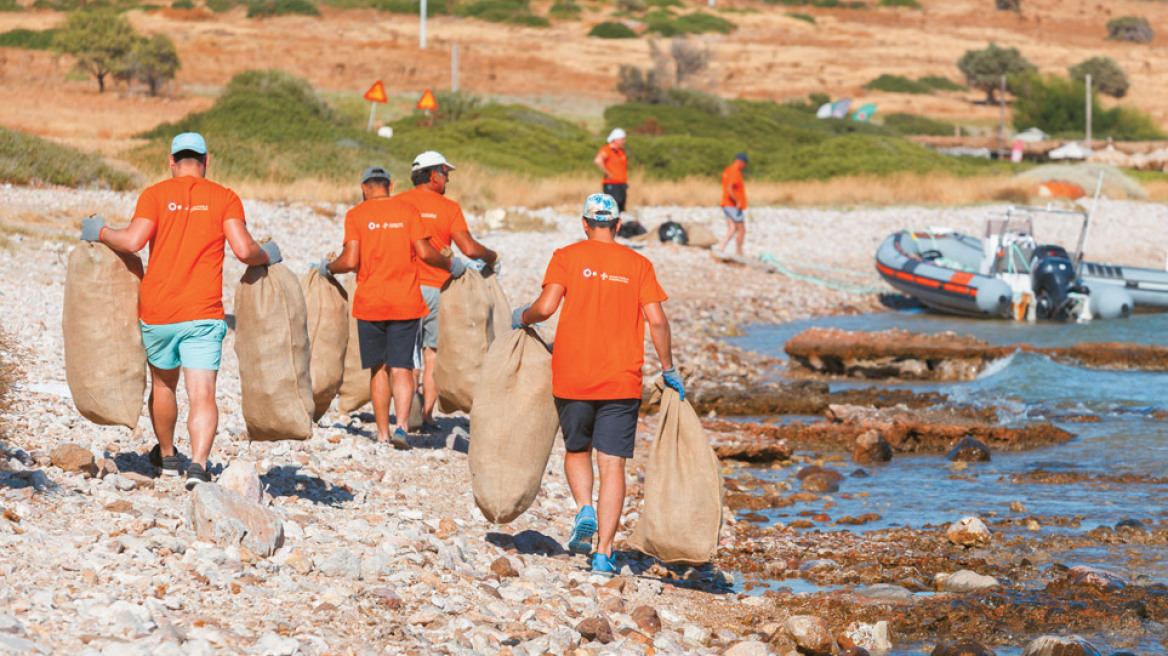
(372, 550)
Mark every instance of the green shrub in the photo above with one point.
(897, 84)
(182, 4)
(515, 12)
(612, 30)
(456, 105)
(1008, 5)
(565, 10)
(827, 4)
(219, 6)
(1130, 28)
(911, 4)
(662, 22)
(1106, 75)
(700, 100)
(803, 17)
(918, 125)
(10, 5)
(26, 159)
(665, 3)
(633, 6)
(271, 8)
(28, 39)
(1055, 104)
(940, 83)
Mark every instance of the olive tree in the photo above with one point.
(1106, 75)
(101, 40)
(983, 69)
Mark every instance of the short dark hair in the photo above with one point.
(377, 182)
(190, 154)
(593, 223)
(422, 176)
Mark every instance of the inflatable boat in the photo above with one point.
(1008, 274)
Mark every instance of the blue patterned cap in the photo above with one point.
(601, 208)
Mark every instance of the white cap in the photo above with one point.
(428, 159)
(616, 134)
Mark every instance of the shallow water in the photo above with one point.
(926, 489)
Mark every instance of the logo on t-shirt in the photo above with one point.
(589, 273)
(373, 225)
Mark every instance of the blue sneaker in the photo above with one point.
(580, 541)
(603, 565)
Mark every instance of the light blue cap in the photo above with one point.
(189, 141)
(601, 208)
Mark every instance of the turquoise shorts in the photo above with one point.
(191, 344)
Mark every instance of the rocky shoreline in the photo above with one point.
(348, 548)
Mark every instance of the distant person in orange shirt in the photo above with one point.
(613, 162)
(734, 201)
(609, 291)
(384, 240)
(185, 220)
(443, 217)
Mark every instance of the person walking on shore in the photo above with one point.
(384, 240)
(608, 292)
(734, 202)
(613, 162)
(445, 222)
(185, 220)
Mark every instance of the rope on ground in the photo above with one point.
(780, 266)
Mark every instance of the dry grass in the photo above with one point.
(8, 377)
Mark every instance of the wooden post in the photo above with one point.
(1088, 111)
(1002, 121)
(372, 109)
(454, 67)
(422, 30)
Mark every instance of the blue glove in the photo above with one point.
(457, 267)
(322, 268)
(517, 317)
(91, 228)
(273, 252)
(673, 381)
(477, 265)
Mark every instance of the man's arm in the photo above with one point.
(600, 164)
(246, 249)
(544, 306)
(348, 260)
(472, 248)
(429, 255)
(660, 333)
(130, 239)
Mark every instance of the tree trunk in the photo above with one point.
(153, 82)
(990, 96)
(100, 82)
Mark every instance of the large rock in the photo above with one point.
(242, 478)
(647, 619)
(1060, 646)
(873, 637)
(964, 647)
(225, 518)
(969, 532)
(1093, 578)
(969, 449)
(964, 581)
(747, 648)
(595, 629)
(871, 447)
(820, 484)
(74, 458)
(811, 634)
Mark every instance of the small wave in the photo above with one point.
(997, 366)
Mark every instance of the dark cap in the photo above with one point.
(374, 173)
(743, 157)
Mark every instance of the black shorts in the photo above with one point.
(387, 342)
(607, 426)
(618, 191)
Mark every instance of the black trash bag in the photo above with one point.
(631, 228)
(672, 231)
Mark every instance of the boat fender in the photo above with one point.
(1110, 301)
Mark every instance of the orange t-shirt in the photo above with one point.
(600, 341)
(732, 180)
(387, 280)
(184, 275)
(442, 217)
(616, 160)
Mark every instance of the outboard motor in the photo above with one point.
(1052, 278)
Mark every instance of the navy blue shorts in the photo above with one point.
(390, 343)
(608, 426)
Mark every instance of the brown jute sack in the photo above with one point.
(472, 311)
(328, 337)
(682, 511)
(271, 341)
(354, 392)
(513, 425)
(105, 362)
(700, 235)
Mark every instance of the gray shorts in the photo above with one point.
(429, 333)
(734, 214)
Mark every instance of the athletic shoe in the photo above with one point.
(580, 541)
(603, 565)
(399, 441)
(196, 474)
(168, 464)
(430, 427)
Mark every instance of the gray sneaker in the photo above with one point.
(196, 474)
(168, 464)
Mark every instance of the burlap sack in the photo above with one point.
(682, 511)
(472, 311)
(700, 235)
(354, 392)
(271, 341)
(513, 425)
(105, 362)
(328, 337)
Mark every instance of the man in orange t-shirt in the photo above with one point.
(384, 240)
(734, 201)
(609, 292)
(185, 220)
(443, 217)
(613, 162)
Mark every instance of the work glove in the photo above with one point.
(673, 381)
(457, 267)
(91, 228)
(273, 252)
(517, 317)
(323, 270)
(494, 266)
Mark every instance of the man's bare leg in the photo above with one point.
(611, 501)
(203, 418)
(730, 232)
(403, 384)
(379, 391)
(163, 405)
(429, 387)
(741, 228)
(578, 471)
